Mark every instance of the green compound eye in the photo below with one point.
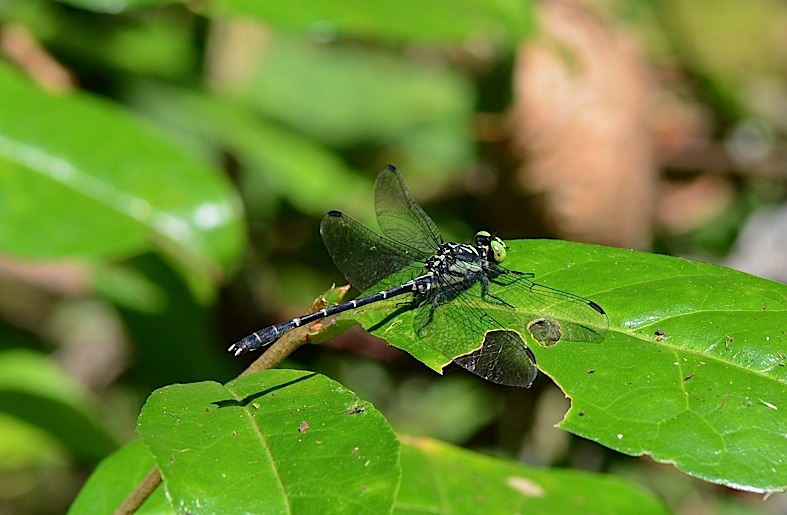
(498, 247)
(495, 247)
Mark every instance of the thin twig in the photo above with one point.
(279, 351)
(141, 493)
(287, 344)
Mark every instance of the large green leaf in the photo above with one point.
(440, 20)
(440, 478)
(458, 481)
(691, 370)
(81, 177)
(274, 441)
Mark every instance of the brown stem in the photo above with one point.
(279, 351)
(141, 493)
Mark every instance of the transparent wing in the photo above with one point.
(580, 319)
(400, 217)
(457, 318)
(503, 359)
(460, 316)
(364, 257)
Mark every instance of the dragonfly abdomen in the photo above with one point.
(420, 285)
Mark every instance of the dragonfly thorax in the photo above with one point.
(455, 263)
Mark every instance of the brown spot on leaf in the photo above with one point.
(525, 486)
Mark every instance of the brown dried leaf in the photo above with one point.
(580, 128)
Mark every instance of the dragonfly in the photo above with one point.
(463, 296)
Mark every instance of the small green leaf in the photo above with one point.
(440, 478)
(274, 441)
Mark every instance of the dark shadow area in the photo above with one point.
(250, 398)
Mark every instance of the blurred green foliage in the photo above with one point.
(164, 164)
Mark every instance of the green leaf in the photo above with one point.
(274, 441)
(80, 177)
(158, 43)
(34, 390)
(25, 447)
(365, 96)
(394, 20)
(114, 478)
(706, 396)
(440, 478)
(277, 162)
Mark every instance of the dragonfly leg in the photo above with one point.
(427, 306)
(486, 293)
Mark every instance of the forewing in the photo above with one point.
(363, 256)
(580, 319)
(400, 217)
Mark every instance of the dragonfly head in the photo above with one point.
(493, 246)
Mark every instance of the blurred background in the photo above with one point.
(164, 166)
